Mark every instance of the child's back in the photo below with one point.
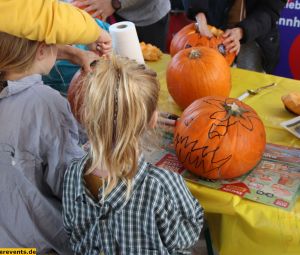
(140, 209)
(161, 216)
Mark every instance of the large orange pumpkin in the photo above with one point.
(219, 138)
(76, 94)
(190, 37)
(197, 72)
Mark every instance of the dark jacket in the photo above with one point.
(259, 24)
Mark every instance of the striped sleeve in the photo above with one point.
(179, 217)
(69, 196)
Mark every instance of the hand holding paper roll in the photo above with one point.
(125, 41)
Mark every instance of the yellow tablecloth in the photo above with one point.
(240, 226)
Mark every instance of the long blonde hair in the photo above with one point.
(16, 54)
(120, 99)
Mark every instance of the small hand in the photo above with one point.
(168, 119)
(202, 25)
(232, 39)
(86, 58)
(77, 56)
(103, 45)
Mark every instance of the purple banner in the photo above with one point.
(289, 26)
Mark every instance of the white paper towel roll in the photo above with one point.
(125, 41)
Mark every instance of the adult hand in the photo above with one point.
(101, 8)
(202, 25)
(232, 39)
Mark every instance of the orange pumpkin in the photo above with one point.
(219, 138)
(197, 72)
(190, 37)
(75, 94)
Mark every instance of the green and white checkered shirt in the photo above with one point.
(161, 216)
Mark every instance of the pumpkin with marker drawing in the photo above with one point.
(197, 72)
(190, 37)
(219, 138)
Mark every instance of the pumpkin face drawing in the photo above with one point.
(219, 138)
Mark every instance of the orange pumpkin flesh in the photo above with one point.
(190, 37)
(219, 138)
(197, 72)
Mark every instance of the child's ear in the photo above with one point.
(153, 120)
(41, 52)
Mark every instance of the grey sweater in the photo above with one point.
(144, 12)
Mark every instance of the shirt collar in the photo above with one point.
(17, 86)
(117, 197)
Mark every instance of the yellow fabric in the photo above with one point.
(240, 226)
(47, 20)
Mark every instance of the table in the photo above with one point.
(240, 226)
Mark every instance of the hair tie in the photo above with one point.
(116, 104)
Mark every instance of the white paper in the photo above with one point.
(292, 125)
(125, 41)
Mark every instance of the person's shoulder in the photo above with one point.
(173, 192)
(169, 181)
(75, 166)
(51, 105)
(48, 95)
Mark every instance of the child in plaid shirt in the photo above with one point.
(114, 202)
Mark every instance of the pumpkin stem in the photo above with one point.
(234, 110)
(194, 54)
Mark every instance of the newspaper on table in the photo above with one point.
(274, 181)
(292, 125)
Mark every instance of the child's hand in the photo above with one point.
(85, 58)
(168, 119)
(101, 8)
(103, 45)
(77, 56)
(202, 25)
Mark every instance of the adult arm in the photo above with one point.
(47, 20)
(261, 20)
(104, 8)
(198, 10)
(193, 7)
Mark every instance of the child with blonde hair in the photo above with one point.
(38, 139)
(114, 202)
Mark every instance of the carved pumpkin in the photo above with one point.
(197, 72)
(75, 94)
(190, 37)
(219, 138)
